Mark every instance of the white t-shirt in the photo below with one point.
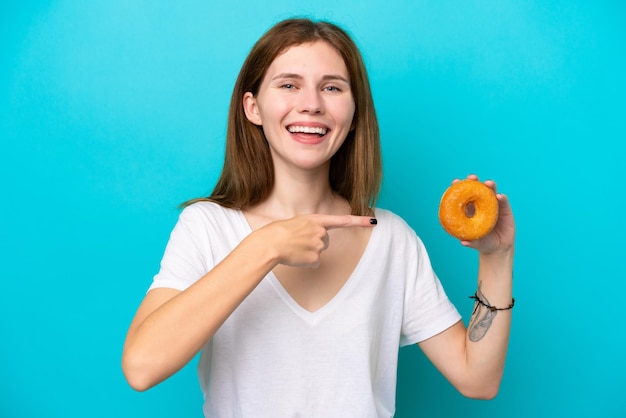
(273, 358)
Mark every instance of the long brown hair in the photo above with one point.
(247, 176)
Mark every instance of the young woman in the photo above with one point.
(295, 287)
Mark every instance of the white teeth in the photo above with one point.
(307, 130)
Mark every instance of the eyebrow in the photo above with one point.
(299, 77)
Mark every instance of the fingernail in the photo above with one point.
(373, 221)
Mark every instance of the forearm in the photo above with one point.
(169, 330)
(488, 331)
(170, 334)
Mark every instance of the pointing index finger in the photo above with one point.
(347, 221)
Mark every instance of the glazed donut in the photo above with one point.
(468, 210)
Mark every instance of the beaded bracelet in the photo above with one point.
(491, 308)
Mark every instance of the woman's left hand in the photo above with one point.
(502, 237)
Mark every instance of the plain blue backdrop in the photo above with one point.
(113, 112)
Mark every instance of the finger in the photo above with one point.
(504, 204)
(326, 241)
(502, 198)
(469, 177)
(346, 221)
(491, 184)
(468, 244)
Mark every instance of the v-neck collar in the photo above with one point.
(314, 317)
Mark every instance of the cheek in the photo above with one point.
(274, 112)
(349, 115)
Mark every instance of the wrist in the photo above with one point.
(502, 257)
(256, 246)
(495, 274)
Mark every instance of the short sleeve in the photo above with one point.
(187, 256)
(427, 309)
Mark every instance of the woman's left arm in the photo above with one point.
(473, 358)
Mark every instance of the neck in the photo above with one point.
(297, 193)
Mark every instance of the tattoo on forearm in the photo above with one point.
(481, 320)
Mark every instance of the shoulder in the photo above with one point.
(209, 218)
(396, 229)
(207, 211)
(391, 221)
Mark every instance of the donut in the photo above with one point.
(468, 210)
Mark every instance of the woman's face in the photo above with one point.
(304, 105)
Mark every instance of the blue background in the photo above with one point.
(113, 112)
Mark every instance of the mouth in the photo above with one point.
(308, 130)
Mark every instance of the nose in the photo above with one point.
(310, 101)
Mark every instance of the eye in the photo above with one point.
(333, 89)
(287, 86)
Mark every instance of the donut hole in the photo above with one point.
(470, 210)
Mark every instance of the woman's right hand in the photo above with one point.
(299, 241)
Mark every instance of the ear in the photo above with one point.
(251, 109)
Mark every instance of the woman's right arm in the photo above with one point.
(171, 327)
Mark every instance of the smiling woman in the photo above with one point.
(297, 290)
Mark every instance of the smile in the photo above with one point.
(307, 130)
